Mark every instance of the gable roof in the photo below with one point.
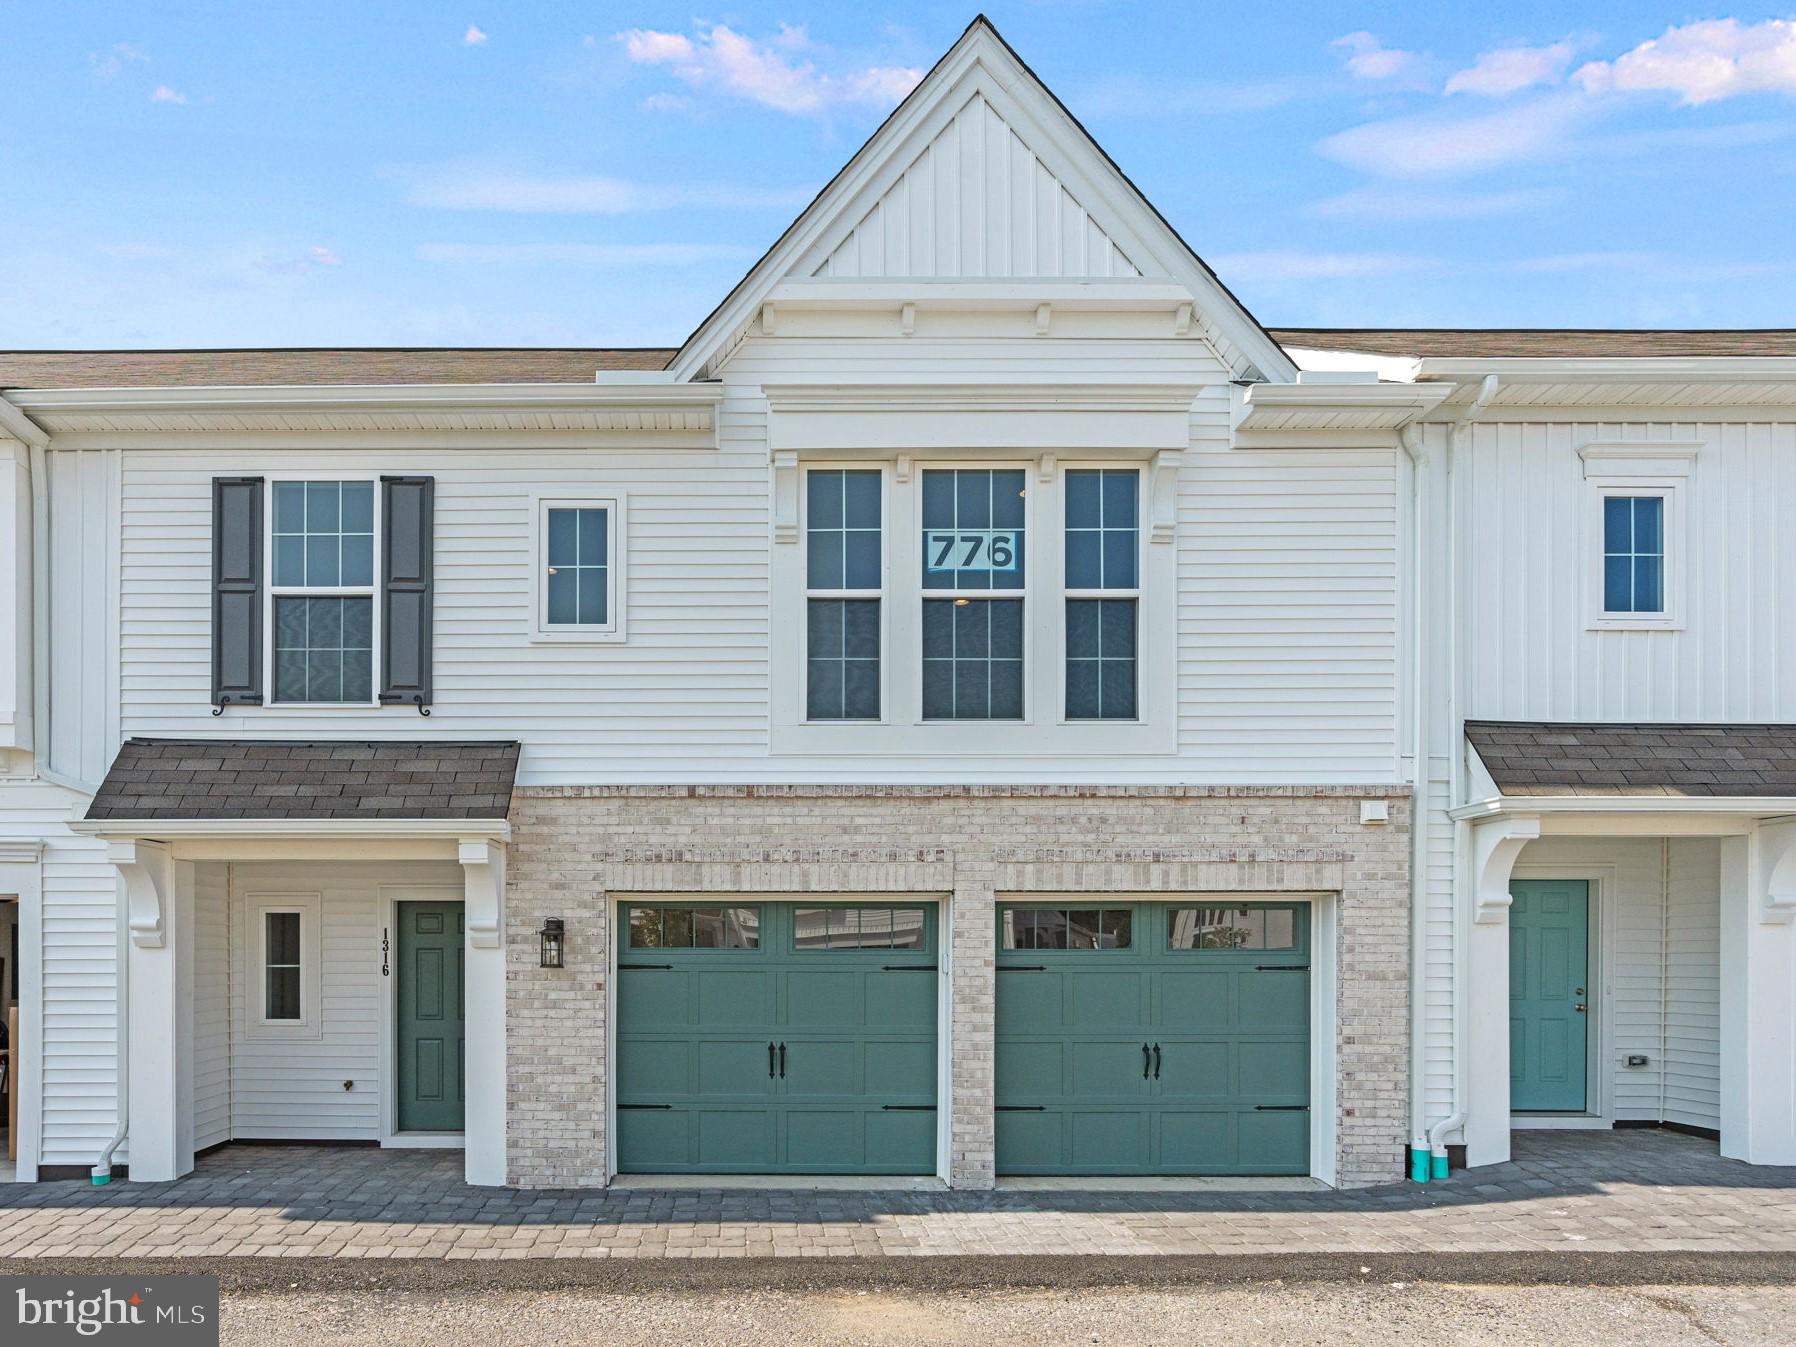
(320, 365)
(1532, 758)
(1503, 343)
(167, 779)
(981, 63)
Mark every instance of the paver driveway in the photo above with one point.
(1623, 1192)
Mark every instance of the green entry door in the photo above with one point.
(777, 1038)
(432, 1084)
(1549, 970)
(1153, 1038)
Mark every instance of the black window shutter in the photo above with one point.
(407, 508)
(236, 591)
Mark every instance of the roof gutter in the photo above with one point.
(498, 830)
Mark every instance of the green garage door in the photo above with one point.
(776, 1038)
(1153, 1038)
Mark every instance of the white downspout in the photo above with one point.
(102, 1170)
(1462, 962)
(1411, 439)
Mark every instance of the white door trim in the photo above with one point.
(389, 896)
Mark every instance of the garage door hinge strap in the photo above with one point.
(908, 1108)
(621, 1106)
(1022, 968)
(908, 968)
(1281, 968)
(1281, 1108)
(626, 966)
(1022, 1108)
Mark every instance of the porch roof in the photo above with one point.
(1538, 758)
(380, 779)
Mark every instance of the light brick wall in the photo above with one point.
(576, 848)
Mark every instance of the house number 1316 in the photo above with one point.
(969, 550)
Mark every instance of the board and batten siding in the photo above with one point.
(976, 202)
(1529, 528)
(211, 1005)
(83, 692)
(1287, 607)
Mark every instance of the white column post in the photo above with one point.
(1758, 995)
(483, 872)
(1496, 843)
(159, 1007)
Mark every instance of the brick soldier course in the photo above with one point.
(1565, 1192)
(576, 849)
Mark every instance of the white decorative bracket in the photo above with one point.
(1181, 320)
(145, 870)
(1163, 496)
(907, 319)
(767, 319)
(1044, 314)
(785, 496)
(1045, 467)
(1495, 845)
(483, 884)
(1777, 869)
(901, 469)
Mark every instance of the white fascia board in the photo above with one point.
(1025, 393)
(369, 397)
(1613, 369)
(292, 828)
(16, 425)
(1413, 399)
(1399, 369)
(1758, 806)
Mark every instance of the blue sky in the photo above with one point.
(484, 173)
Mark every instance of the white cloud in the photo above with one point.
(1129, 96)
(1703, 62)
(582, 254)
(474, 37)
(1293, 265)
(324, 257)
(1386, 203)
(163, 94)
(283, 262)
(1508, 70)
(107, 66)
(470, 187)
(1647, 265)
(1437, 145)
(1369, 59)
(764, 72)
(666, 103)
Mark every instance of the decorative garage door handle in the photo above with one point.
(782, 1061)
(1156, 1061)
(1147, 1061)
(770, 1061)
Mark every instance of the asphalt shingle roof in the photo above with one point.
(322, 365)
(370, 779)
(1541, 758)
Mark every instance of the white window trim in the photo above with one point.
(1143, 484)
(1044, 733)
(616, 586)
(371, 591)
(912, 553)
(257, 906)
(883, 593)
(1671, 491)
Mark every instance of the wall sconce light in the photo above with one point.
(554, 938)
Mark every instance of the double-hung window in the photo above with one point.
(973, 535)
(322, 550)
(1103, 592)
(844, 584)
(1633, 554)
(578, 591)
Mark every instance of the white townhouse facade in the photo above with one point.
(984, 706)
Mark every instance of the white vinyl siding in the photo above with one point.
(211, 1006)
(976, 202)
(1526, 540)
(80, 1014)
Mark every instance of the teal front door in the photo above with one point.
(1153, 1038)
(776, 1038)
(1549, 976)
(430, 1015)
